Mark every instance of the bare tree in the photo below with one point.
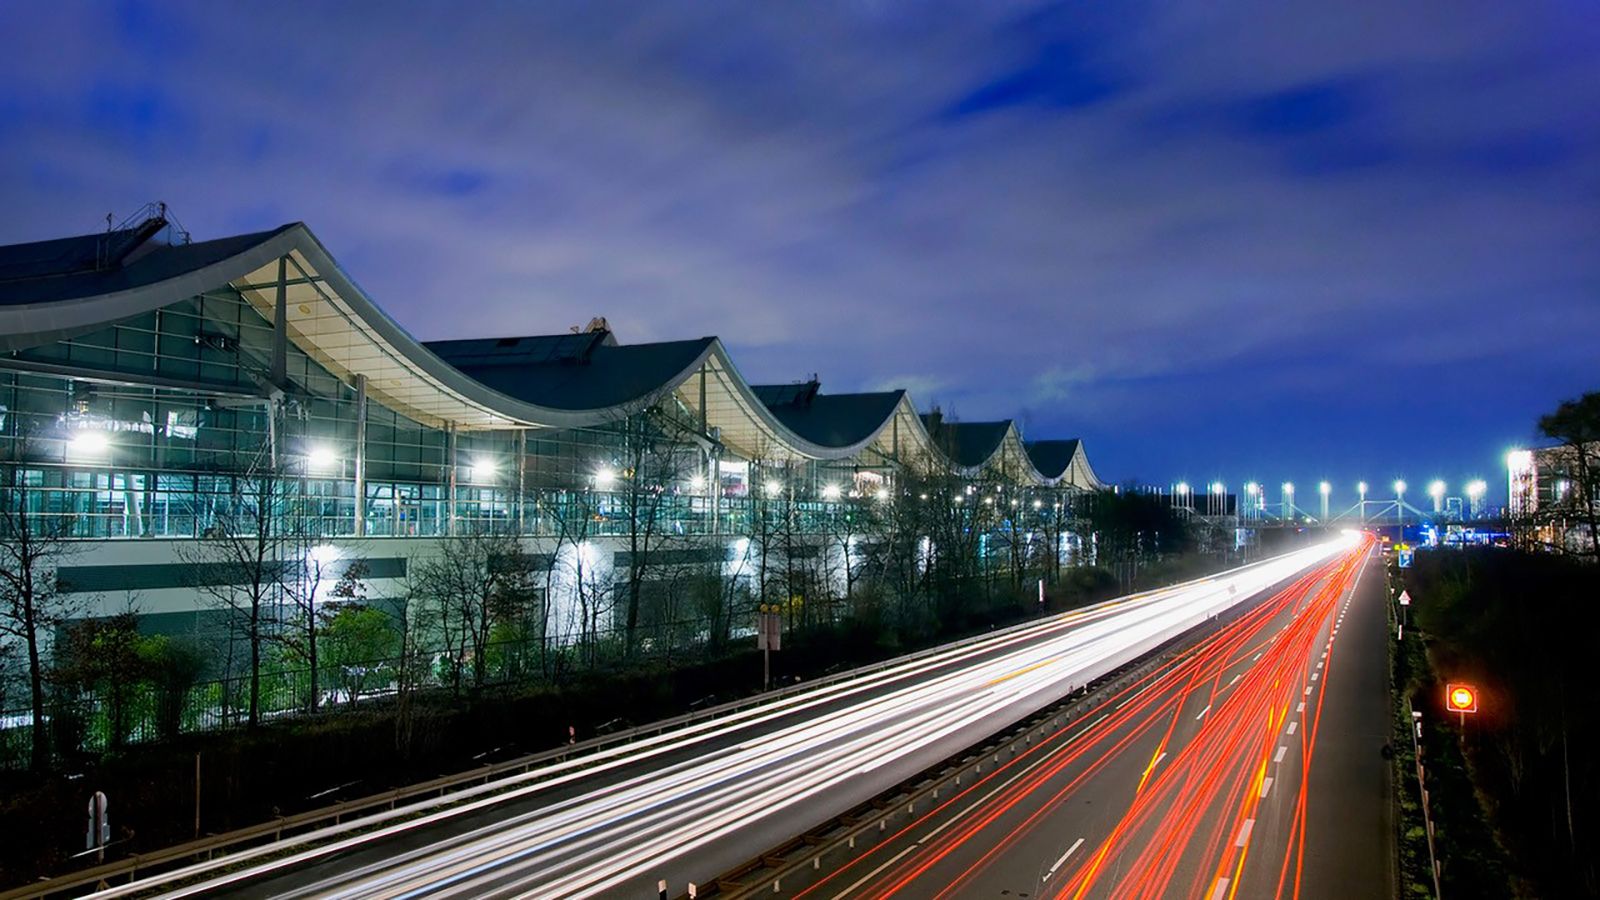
(33, 600)
(475, 580)
(238, 569)
(658, 456)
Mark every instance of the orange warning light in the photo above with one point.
(1462, 698)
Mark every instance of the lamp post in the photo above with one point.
(1399, 501)
(1361, 489)
(1475, 491)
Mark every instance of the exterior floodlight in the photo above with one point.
(1038, 504)
(830, 492)
(1324, 488)
(1519, 461)
(1361, 488)
(1288, 487)
(773, 488)
(604, 478)
(1183, 487)
(321, 458)
(1399, 487)
(1476, 489)
(697, 483)
(883, 494)
(484, 469)
(1461, 698)
(1251, 488)
(1436, 490)
(1216, 487)
(89, 442)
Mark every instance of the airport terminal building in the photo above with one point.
(158, 392)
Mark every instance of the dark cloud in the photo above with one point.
(1244, 238)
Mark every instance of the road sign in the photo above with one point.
(1405, 555)
(1461, 698)
(769, 630)
(1405, 598)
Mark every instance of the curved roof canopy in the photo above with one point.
(59, 289)
(1063, 462)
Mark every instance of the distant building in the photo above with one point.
(1546, 487)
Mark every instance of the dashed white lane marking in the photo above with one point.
(1315, 675)
(1308, 690)
(1244, 832)
(1293, 727)
(1075, 845)
(1300, 708)
(1281, 752)
(1266, 785)
(1203, 713)
(1234, 681)
(1221, 890)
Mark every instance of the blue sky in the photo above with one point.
(1279, 240)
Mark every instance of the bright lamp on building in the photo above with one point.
(883, 494)
(697, 483)
(1324, 488)
(89, 442)
(1183, 487)
(1436, 490)
(1399, 486)
(604, 478)
(484, 469)
(321, 458)
(773, 488)
(1361, 488)
(830, 492)
(1476, 489)
(1288, 487)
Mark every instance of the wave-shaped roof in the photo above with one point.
(58, 289)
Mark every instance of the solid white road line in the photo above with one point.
(1075, 845)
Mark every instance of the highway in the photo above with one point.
(693, 802)
(1191, 782)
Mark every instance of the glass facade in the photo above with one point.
(156, 427)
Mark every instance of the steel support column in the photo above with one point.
(361, 455)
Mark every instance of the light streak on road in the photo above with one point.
(1193, 800)
(808, 755)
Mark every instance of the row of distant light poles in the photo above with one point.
(1256, 495)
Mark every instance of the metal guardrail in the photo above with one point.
(273, 831)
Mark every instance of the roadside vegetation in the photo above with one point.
(1519, 626)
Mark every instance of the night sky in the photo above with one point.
(1272, 240)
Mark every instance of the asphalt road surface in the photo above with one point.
(1249, 765)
